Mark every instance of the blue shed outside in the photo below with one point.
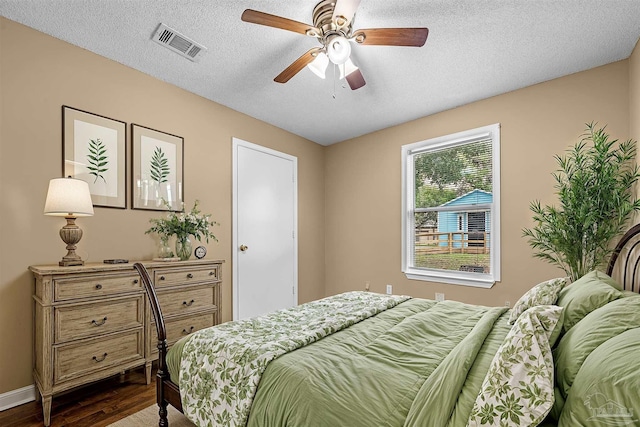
(466, 222)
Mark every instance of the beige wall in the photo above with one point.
(634, 94)
(363, 181)
(634, 104)
(39, 74)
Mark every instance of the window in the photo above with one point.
(451, 208)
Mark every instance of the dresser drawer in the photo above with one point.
(95, 286)
(178, 328)
(186, 300)
(85, 357)
(91, 319)
(171, 277)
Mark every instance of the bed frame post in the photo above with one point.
(163, 374)
(629, 264)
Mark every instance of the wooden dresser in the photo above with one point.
(93, 321)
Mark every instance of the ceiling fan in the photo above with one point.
(333, 27)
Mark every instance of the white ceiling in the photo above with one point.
(476, 49)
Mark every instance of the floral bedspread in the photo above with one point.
(222, 366)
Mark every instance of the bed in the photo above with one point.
(565, 355)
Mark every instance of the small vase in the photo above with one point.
(183, 248)
(164, 251)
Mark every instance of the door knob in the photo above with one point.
(244, 248)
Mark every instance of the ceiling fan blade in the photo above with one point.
(344, 11)
(355, 80)
(297, 65)
(262, 18)
(392, 36)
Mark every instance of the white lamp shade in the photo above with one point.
(347, 68)
(319, 65)
(68, 197)
(338, 50)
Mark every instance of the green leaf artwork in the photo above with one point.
(159, 166)
(97, 159)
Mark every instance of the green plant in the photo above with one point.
(594, 184)
(183, 224)
(97, 159)
(159, 166)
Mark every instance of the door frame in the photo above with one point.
(235, 249)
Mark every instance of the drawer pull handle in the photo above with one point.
(212, 273)
(185, 332)
(104, 356)
(102, 322)
(135, 281)
(188, 304)
(189, 276)
(161, 277)
(98, 286)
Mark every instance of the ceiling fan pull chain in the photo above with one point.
(334, 81)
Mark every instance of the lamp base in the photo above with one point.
(70, 262)
(71, 234)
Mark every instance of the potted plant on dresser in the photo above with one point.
(182, 225)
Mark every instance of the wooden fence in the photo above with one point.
(434, 242)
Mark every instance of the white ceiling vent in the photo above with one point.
(171, 39)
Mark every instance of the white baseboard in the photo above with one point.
(17, 397)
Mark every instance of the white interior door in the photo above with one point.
(265, 253)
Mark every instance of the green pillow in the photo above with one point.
(595, 329)
(588, 293)
(545, 293)
(605, 391)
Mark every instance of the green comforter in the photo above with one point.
(221, 367)
(420, 363)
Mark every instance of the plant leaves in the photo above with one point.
(97, 159)
(159, 168)
(594, 184)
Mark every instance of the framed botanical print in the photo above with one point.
(158, 175)
(94, 150)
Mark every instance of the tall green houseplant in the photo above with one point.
(595, 187)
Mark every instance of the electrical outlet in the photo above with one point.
(366, 286)
(389, 289)
(507, 303)
(439, 297)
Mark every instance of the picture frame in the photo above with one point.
(158, 170)
(94, 150)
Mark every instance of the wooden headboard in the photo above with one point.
(624, 265)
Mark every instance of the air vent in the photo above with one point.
(171, 39)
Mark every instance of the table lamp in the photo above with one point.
(70, 198)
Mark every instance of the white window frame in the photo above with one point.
(482, 280)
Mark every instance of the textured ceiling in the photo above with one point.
(476, 49)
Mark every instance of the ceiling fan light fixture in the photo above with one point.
(319, 65)
(347, 68)
(338, 50)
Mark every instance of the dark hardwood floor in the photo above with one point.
(96, 405)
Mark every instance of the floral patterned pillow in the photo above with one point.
(518, 388)
(545, 293)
